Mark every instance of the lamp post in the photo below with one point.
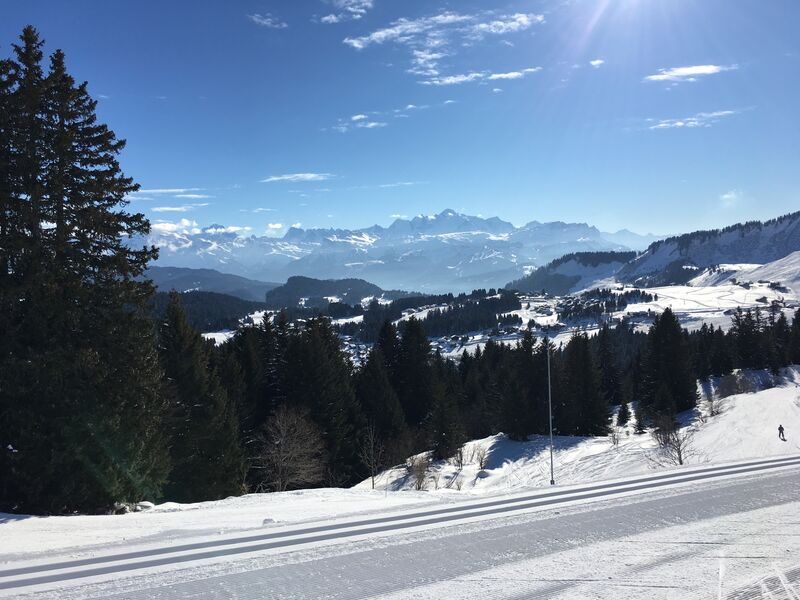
(550, 410)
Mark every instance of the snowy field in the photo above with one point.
(712, 558)
(692, 304)
(695, 305)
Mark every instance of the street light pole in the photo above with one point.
(550, 410)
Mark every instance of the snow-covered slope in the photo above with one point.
(677, 259)
(784, 272)
(746, 427)
(447, 252)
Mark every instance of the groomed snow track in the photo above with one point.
(27, 577)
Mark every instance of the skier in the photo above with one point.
(780, 433)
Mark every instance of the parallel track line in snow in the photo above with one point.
(105, 565)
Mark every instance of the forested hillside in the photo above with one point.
(208, 311)
(572, 272)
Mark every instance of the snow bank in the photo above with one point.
(23, 534)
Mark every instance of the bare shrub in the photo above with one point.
(417, 468)
(674, 445)
(290, 451)
(454, 482)
(459, 458)
(372, 451)
(481, 456)
(614, 435)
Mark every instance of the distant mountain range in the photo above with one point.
(448, 252)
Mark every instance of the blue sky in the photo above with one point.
(653, 115)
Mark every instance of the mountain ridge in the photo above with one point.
(676, 259)
(448, 251)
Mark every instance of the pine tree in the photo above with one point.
(780, 335)
(203, 433)
(794, 340)
(721, 362)
(318, 379)
(381, 405)
(746, 332)
(444, 427)
(668, 383)
(623, 415)
(584, 409)
(414, 378)
(610, 386)
(389, 346)
(79, 370)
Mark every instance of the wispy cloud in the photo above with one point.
(703, 119)
(193, 196)
(597, 63)
(169, 190)
(478, 76)
(681, 74)
(432, 39)
(178, 209)
(514, 74)
(399, 184)
(228, 229)
(508, 24)
(274, 226)
(731, 198)
(370, 124)
(348, 10)
(258, 210)
(299, 177)
(412, 32)
(376, 119)
(267, 20)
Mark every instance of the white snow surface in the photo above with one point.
(170, 521)
(713, 557)
(785, 271)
